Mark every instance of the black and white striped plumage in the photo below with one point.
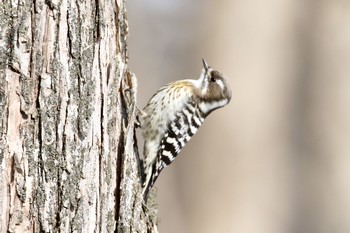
(174, 114)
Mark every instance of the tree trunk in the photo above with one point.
(68, 156)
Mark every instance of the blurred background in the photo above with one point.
(277, 158)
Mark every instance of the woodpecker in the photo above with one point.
(174, 114)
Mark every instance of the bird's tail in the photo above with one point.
(150, 178)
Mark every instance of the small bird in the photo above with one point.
(174, 114)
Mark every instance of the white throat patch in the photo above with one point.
(209, 106)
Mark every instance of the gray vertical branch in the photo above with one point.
(67, 152)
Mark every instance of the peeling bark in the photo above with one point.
(68, 154)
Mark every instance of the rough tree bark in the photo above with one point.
(68, 157)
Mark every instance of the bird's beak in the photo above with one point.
(205, 65)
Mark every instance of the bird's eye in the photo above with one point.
(213, 79)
